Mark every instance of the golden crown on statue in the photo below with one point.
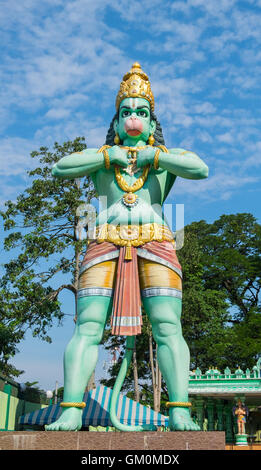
(135, 84)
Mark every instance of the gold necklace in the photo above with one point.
(129, 199)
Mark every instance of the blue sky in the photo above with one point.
(61, 66)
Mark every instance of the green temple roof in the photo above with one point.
(227, 384)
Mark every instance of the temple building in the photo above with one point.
(215, 395)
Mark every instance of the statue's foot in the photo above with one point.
(180, 420)
(70, 420)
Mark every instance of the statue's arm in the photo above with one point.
(183, 163)
(78, 164)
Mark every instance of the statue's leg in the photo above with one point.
(80, 357)
(173, 355)
(94, 305)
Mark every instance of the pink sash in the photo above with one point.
(126, 316)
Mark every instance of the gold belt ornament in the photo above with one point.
(133, 235)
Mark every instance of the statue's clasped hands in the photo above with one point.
(146, 156)
(118, 156)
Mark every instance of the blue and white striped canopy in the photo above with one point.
(96, 412)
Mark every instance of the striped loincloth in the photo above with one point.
(153, 270)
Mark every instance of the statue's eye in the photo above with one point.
(125, 113)
(142, 113)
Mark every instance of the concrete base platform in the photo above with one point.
(84, 440)
(248, 447)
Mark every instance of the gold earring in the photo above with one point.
(116, 139)
(151, 140)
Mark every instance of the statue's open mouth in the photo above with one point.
(133, 132)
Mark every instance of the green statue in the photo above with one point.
(132, 260)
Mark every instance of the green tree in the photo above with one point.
(204, 310)
(32, 385)
(10, 336)
(42, 229)
(231, 264)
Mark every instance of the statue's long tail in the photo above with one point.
(117, 388)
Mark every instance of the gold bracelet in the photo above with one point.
(106, 159)
(156, 159)
(75, 405)
(185, 404)
(104, 150)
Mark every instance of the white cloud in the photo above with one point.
(65, 61)
(15, 156)
(226, 138)
(94, 131)
(59, 53)
(204, 108)
(253, 157)
(219, 186)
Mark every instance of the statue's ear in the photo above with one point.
(115, 126)
(152, 126)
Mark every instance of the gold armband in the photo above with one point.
(73, 404)
(185, 404)
(156, 156)
(106, 159)
(104, 150)
(156, 159)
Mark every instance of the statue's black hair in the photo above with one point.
(158, 135)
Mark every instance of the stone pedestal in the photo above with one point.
(84, 440)
(241, 440)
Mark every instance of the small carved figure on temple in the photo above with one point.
(241, 412)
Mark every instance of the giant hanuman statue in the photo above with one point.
(132, 260)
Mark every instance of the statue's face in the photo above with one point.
(134, 122)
